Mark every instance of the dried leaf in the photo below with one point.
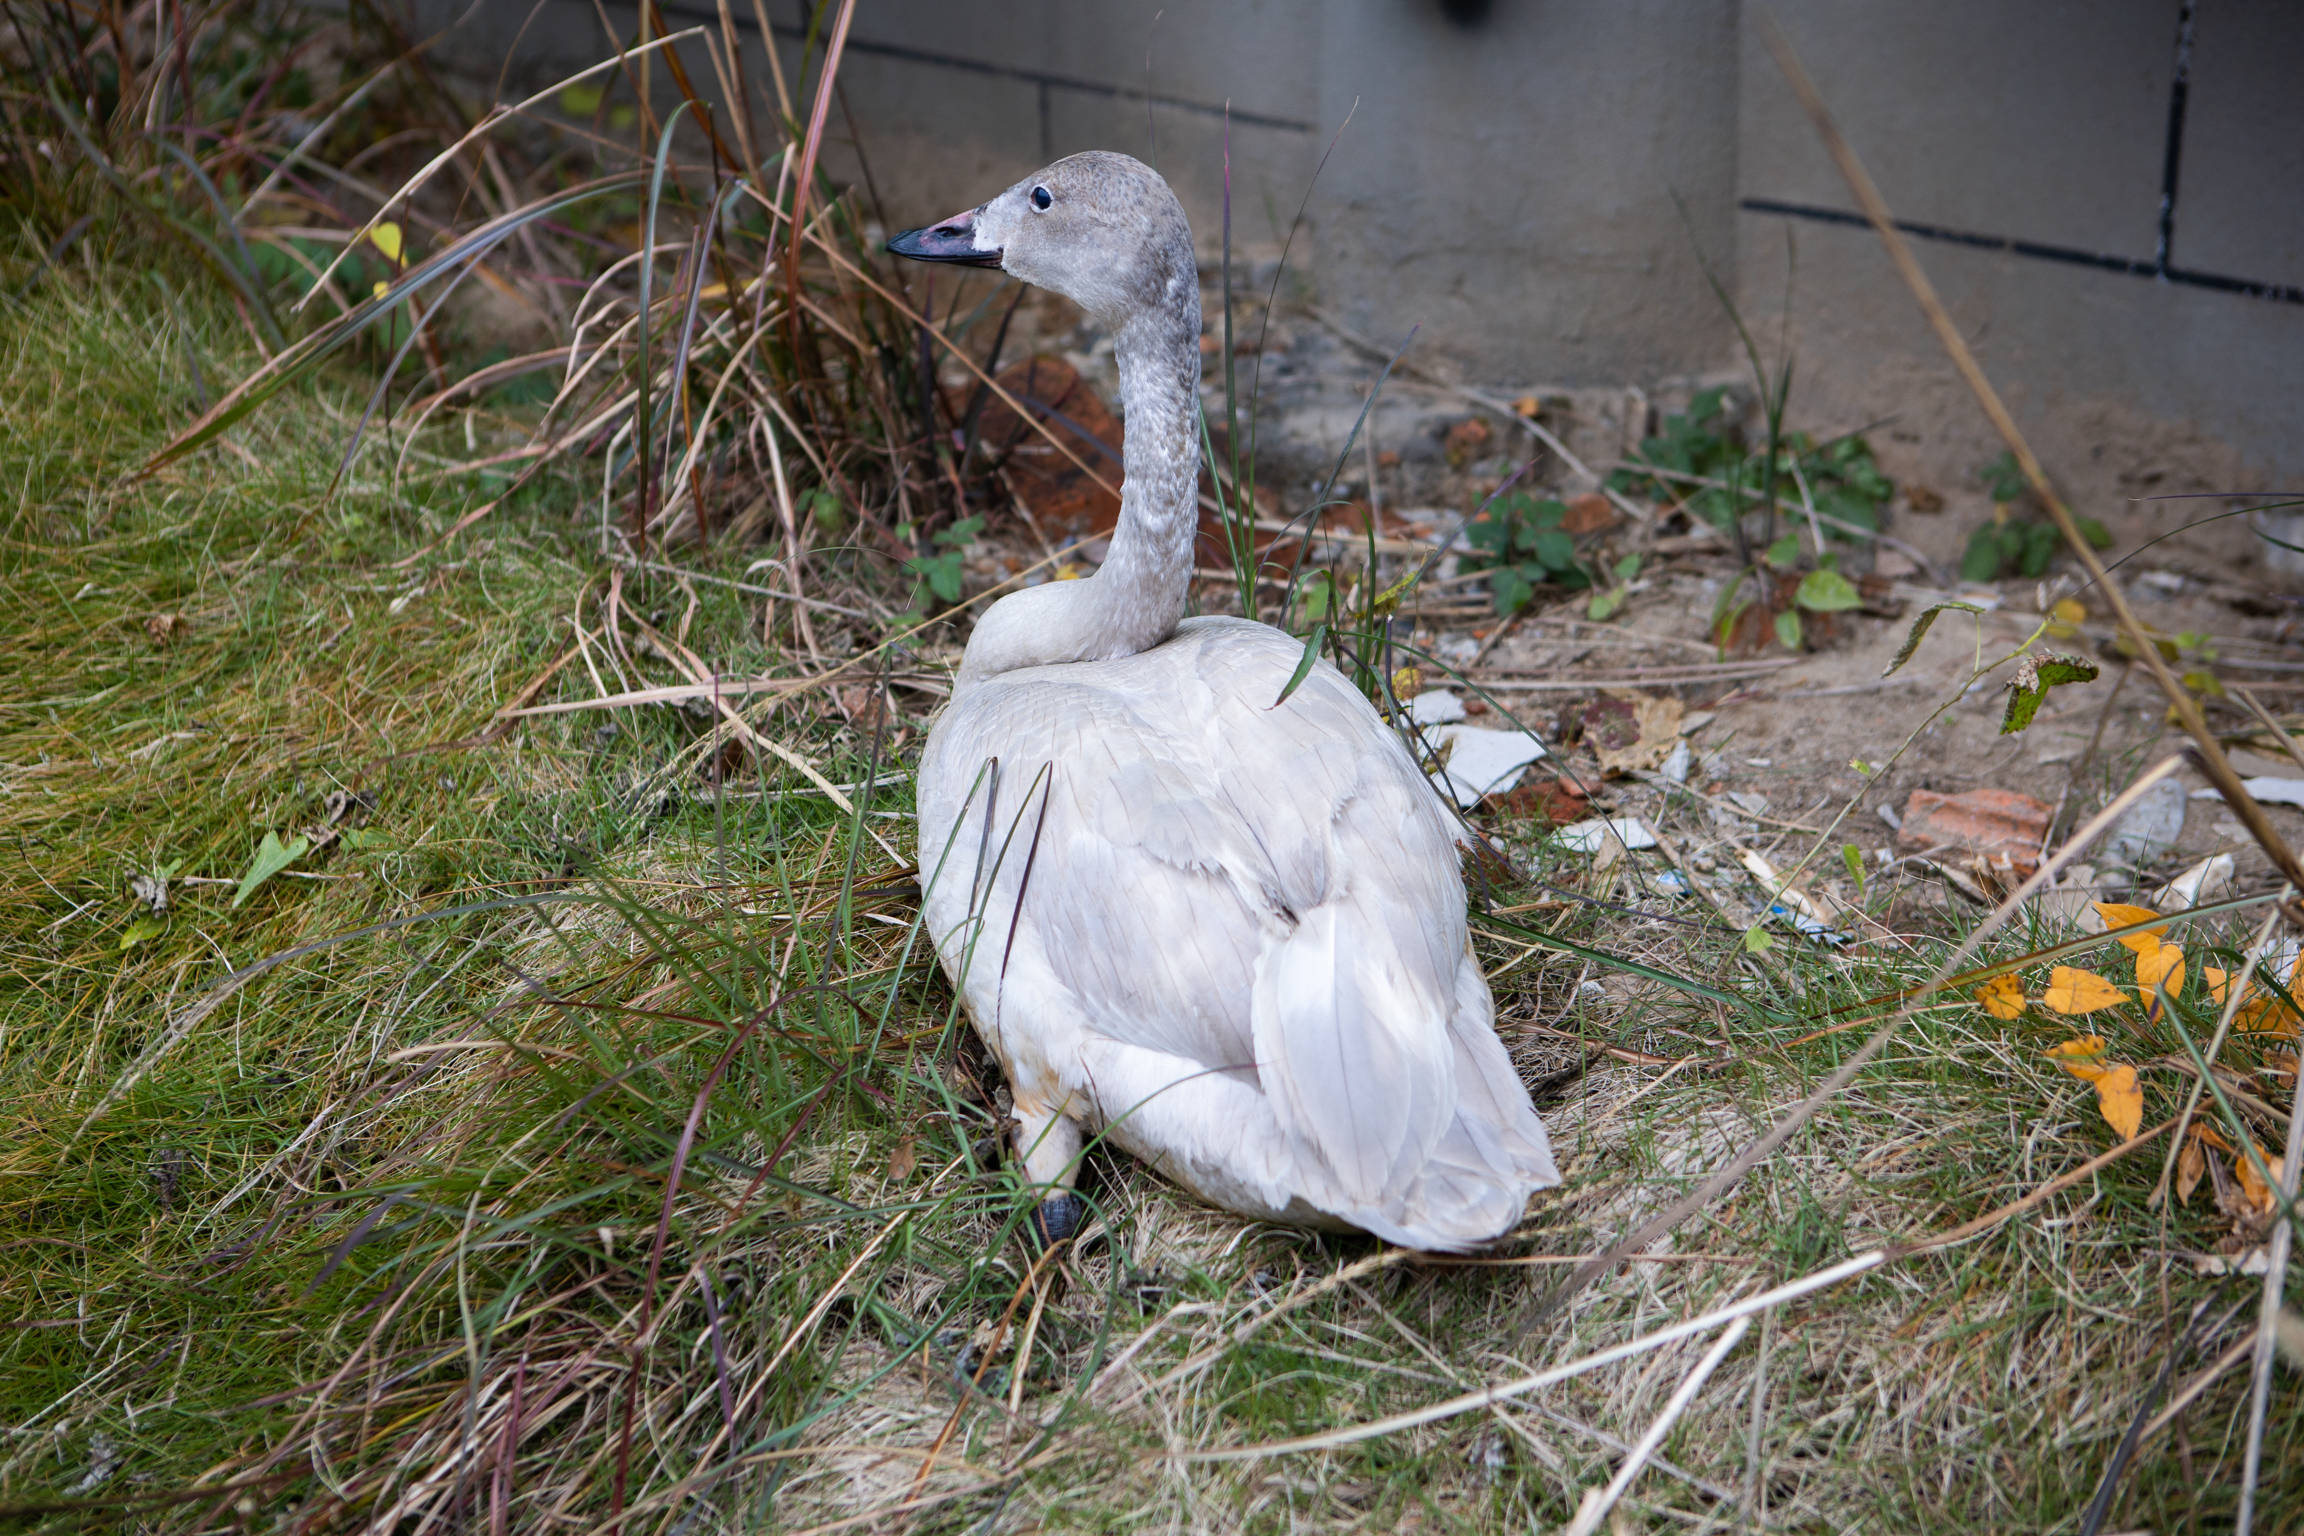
(2252, 1185)
(2076, 992)
(2002, 996)
(2118, 914)
(2083, 1057)
(2035, 675)
(2120, 1100)
(903, 1158)
(1656, 723)
(1919, 631)
(2191, 1167)
(2219, 982)
(2208, 1135)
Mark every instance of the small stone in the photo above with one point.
(2149, 827)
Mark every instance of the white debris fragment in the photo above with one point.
(1591, 836)
(2266, 791)
(1435, 706)
(2195, 885)
(1482, 762)
(1676, 765)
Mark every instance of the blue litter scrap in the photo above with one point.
(1807, 926)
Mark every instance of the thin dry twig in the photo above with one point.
(1595, 1508)
(2268, 1317)
(2264, 716)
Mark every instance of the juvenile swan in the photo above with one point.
(1228, 935)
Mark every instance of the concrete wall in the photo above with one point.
(1530, 181)
(2124, 338)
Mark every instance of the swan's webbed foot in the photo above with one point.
(1059, 1217)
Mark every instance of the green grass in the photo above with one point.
(373, 1240)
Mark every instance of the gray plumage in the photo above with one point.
(1228, 936)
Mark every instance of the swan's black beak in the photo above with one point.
(952, 241)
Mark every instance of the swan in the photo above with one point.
(1226, 935)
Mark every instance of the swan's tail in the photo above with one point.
(1408, 1119)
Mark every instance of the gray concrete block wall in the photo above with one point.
(2049, 126)
(1515, 172)
(1508, 183)
(2241, 195)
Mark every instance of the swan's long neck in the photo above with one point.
(1140, 590)
(1135, 600)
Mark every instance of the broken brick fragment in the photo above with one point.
(1992, 824)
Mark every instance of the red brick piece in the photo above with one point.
(1993, 824)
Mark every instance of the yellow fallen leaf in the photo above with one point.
(2265, 1016)
(2118, 914)
(1407, 682)
(2120, 1101)
(2209, 1135)
(387, 238)
(2002, 996)
(2070, 610)
(1528, 406)
(2073, 992)
(2191, 1166)
(2219, 981)
(2083, 1058)
(2159, 970)
(382, 288)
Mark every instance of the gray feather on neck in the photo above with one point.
(1136, 599)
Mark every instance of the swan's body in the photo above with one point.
(1227, 935)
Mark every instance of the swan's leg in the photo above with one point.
(1048, 1144)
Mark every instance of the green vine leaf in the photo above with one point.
(2035, 675)
(1919, 632)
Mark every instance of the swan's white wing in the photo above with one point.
(1268, 892)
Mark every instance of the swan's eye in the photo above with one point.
(1041, 199)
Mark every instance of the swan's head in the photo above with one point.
(1102, 229)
